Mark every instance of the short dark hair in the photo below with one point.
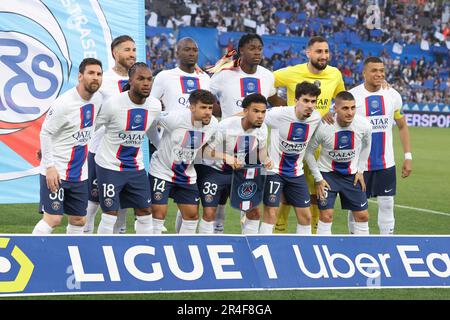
(88, 62)
(306, 88)
(345, 95)
(247, 38)
(132, 71)
(316, 39)
(253, 98)
(372, 60)
(203, 96)
(119, 40)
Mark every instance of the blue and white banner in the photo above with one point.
(42, 42)
(33, 265)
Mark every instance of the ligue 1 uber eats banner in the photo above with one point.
(104, 264)
(41, 45)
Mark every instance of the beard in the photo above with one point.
(318, 66)
(92, 87)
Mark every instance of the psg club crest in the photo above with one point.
(247, 190)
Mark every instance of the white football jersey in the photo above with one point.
(70, 124)
(112, 84)
(379, 108)
(232, 139)
(231, 86)
(173, 87)
(181, 141)
(289, 138)
(125, 124)
(344, 149)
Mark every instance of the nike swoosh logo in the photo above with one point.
(363, 204)
(306, 201)
(373, 112)
(87, 124)
(134, 127)
(190, 90)
(386, 191)
(344, 146)
(196, 199)
(148, 201)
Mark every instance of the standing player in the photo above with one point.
(120, 167)
(291, 130)
(329, 80)
(240, 140)
(65, 134)
(382, 107)
(173, 87)
(340, 167)
(172, 172)
(231, 85)
(123, 50)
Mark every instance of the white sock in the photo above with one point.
(324, 227)
(220, 219)
(188, 226)
(90, 217)
(143, 225)
(178, 221)
(243, 218)
(157, 225)
(71, 229)
(106, 225)
(266, 228)
(206, 227)
(362, 227)
(350, 222)
(303, 229)
(42, 227)
(250, 227)
(121, 224)
(386, 220)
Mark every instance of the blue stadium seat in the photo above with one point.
(429, 84)
(375, 33)
(301, 16)
(350, 21)
(443, 86)
(339, 37)
(281, 28)
(354, 38)
(283, 14)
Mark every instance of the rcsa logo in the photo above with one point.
(25, 268)
(34, 64)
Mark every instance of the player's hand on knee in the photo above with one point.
(407, 168)
(53, 179)
(359, 177)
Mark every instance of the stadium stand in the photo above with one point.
(416, 53)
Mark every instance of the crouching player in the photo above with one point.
(340, 167)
